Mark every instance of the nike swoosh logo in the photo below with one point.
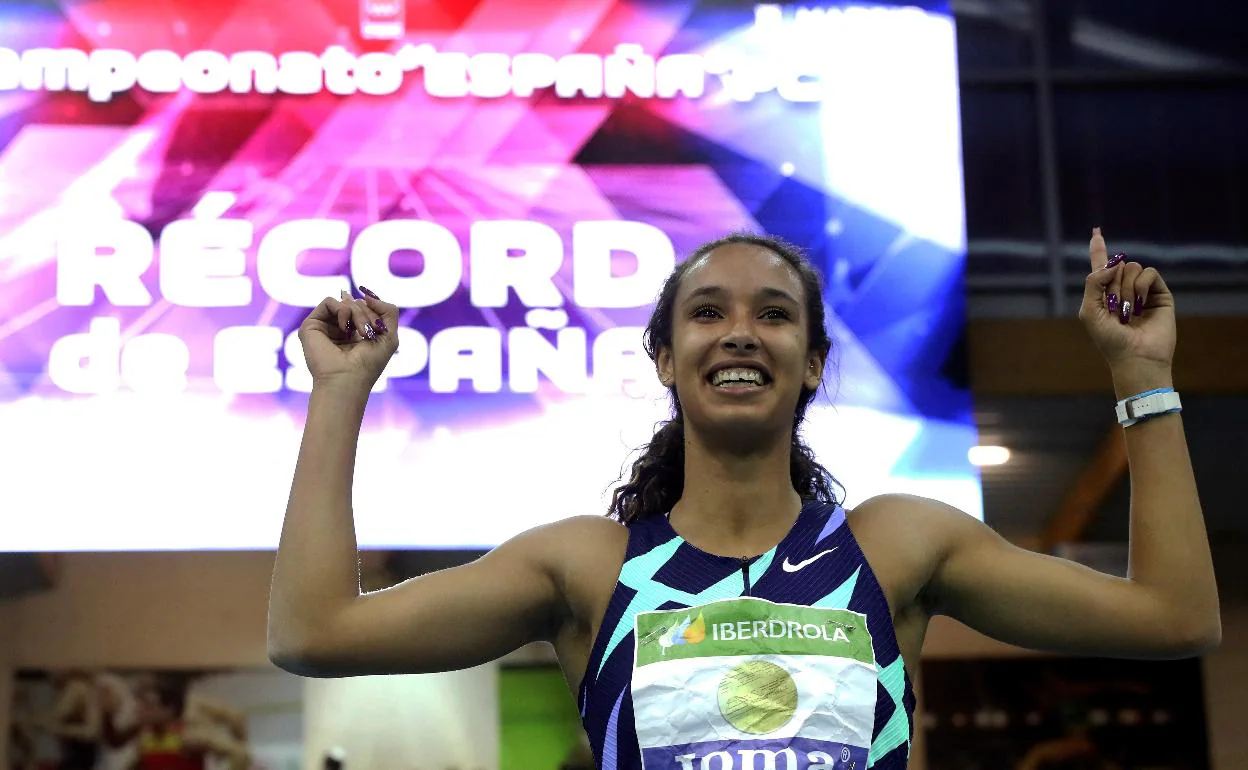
(805, 562)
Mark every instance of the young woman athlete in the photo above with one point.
(729, 614)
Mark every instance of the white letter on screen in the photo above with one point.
(88, 362)
(620, 363)
(531, 71)
(299, 72)
(438, 279)
(277, 259)
(563, 363)
(493, 270)
(339, 66)
(80, 266)
(206, 72)
(466, 353)
(298, 378)
(244, 359)
(489, 75)
(155, 363)
(378, 74)
(112, 72)
(446, 74)
(253, 70)
(160, 71)
(593, 254)
(202, 262)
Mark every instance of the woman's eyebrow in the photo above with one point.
(766, 292)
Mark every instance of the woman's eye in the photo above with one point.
(774, 313)
(705, 311)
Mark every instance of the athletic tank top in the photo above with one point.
(786, 661)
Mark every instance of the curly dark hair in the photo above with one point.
(657, 478)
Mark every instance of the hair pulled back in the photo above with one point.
(657, 478)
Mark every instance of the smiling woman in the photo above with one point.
(737, 288)
(729, 608)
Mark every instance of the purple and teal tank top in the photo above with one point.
(786, 661)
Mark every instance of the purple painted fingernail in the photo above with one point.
(1111, 301)
(365, 291)
(381, 326)
(1139, 305)
(1114, 260)
(1124, 315)
(369, 333)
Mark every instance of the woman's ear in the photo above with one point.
(814, 369)
(663, 366)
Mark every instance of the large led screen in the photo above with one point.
(181, 181)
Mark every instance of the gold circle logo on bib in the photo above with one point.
(757, 697)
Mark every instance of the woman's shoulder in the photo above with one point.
(910, 532)
(559, 531)
(899, 509)
(929, 524)
(590, 553)
(581, 540)
(588, 526)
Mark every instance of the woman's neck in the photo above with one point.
(736, 505)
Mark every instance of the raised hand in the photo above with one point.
(349, 340)
(1128, 311)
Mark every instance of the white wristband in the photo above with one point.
(1142, 406)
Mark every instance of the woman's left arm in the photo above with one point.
(1167, 606)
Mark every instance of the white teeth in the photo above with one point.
(723, 376)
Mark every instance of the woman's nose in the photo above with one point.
(740, 338)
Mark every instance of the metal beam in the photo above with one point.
(1019, 78)
(1051, 206)
(1179, 280)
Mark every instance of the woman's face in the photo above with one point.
(740, 348)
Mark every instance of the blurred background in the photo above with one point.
(180, 182)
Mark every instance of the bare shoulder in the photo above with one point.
(593, 543)
(895, 509)
(905, 538)
(581, 548)
(591, 551)
(558, 541)
(589, 525)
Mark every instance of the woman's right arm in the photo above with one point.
(320, 623)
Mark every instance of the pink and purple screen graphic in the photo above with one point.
(180, 182)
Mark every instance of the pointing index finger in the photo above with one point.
(1097, 252)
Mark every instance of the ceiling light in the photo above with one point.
(987, 455)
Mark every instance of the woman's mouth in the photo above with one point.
(739, 378)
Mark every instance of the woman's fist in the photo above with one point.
(350, 340)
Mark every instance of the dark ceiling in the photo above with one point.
(1149, 116)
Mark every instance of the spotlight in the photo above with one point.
(987, 455)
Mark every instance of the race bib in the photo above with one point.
(748, 684)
